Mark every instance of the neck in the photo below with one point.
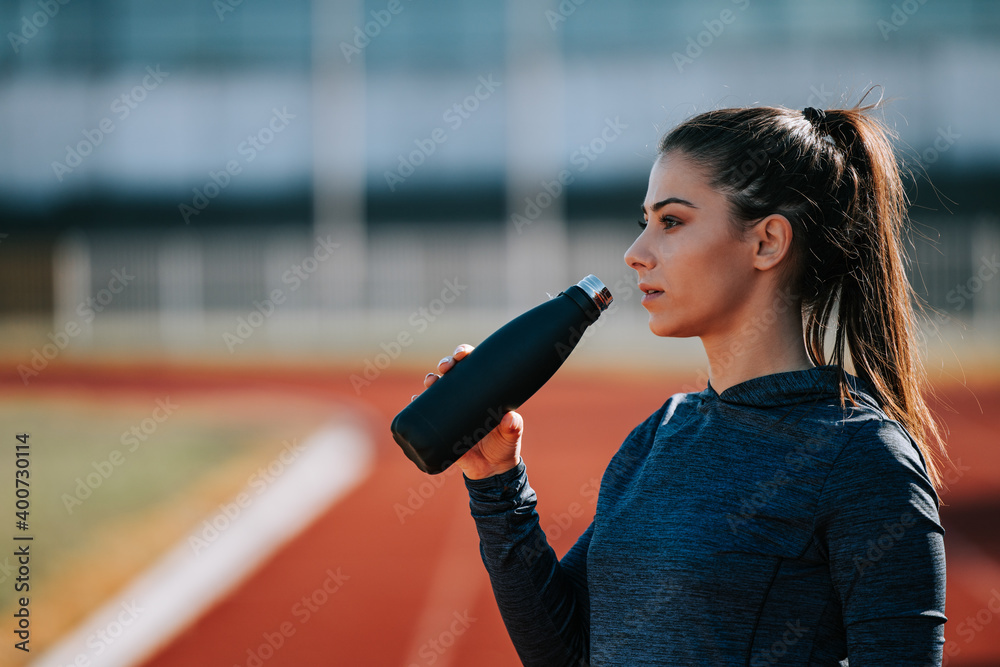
(754, 349)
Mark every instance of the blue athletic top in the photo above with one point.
(765, 525)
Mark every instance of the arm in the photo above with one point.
(886, 549)
(543, 601)
(542, 604)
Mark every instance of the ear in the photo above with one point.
(772, 241)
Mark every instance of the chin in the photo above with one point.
(662, 329)
(667, 329)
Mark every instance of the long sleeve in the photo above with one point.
(544, 602)
(886, 549)
(765, 525)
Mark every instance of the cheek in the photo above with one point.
(695, 262)
(731, 277)
(708, 274)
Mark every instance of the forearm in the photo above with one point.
(545, 616)
(916, 641)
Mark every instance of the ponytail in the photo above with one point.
(875, 314)
(833, 175)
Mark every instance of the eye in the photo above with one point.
(668, 222)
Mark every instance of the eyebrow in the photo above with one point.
(669, 200)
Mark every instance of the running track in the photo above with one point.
(410, 589)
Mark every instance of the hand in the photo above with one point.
(500, 450)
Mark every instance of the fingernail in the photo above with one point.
(445, 360)
(429, 375)
(413, 398)
(457, 349)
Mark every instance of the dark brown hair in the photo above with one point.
(834, 177)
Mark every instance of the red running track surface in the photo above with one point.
(401, 552)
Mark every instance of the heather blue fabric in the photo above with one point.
(762, 526)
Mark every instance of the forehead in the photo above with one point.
(675, 175)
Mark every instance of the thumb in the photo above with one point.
(511, 427)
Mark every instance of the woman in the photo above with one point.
(787, 513)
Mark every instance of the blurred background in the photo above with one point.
(279, 216)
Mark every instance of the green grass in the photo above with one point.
(70, 432)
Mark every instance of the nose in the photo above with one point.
(637, 257)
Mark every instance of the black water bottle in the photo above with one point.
(504, 371)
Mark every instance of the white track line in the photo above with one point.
(173, 593)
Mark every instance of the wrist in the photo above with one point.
(476, 472)
(500, 493)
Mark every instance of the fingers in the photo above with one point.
(449, 362)
(445, 365)
(429, 379)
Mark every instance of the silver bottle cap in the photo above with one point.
(595, 289)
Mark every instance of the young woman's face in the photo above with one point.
(687, 254)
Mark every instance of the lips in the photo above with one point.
(649, 293)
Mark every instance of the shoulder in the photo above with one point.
(885, 444)
(880, 462)
(858, 432)
(638, 443)
(678, 406)
(878, 443)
